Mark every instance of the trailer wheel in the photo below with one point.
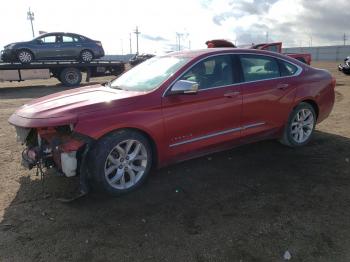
(70, 76)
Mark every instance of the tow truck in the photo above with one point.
(69, 73)
(273, 47)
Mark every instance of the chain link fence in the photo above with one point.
(322, 53)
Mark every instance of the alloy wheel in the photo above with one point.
(86, 56)
(25, 57)
(126, 164)
(302, 125)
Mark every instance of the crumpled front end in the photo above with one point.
(52, 147)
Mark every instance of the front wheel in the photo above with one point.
(25, 56)
(300, 127)
(120, 162)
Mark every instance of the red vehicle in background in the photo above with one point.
(273, 47)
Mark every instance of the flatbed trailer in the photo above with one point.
(69, 73)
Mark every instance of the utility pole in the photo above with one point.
(30, 16)
(130, 43)
(137, 32)
(345, 38)
(310, 40)
(178, 37)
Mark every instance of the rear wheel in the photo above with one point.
(120, 162)
(70, 76)
(86, 56)
(300, 126)
(25, 56)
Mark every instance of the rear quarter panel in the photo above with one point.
(317, 87)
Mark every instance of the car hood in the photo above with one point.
(77, 102)
(16, 43)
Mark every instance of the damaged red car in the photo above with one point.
(172, 108)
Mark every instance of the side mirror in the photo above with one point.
(184, 87)
(38, 41)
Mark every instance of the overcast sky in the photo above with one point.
(294, 22)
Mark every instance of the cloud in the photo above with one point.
(290, 21)
(153, 38)
(241, 8)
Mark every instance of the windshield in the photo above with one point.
(149, 74)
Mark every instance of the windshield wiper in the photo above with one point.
(116, 87)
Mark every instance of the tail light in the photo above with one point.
(334, 81)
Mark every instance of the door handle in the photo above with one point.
(282, 86)
(231, 94)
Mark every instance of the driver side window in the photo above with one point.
(48, 39)
(211, 72)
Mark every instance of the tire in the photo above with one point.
(25, 56)
(298, 133)
(120, 162)
(70, 76)
(86, 56)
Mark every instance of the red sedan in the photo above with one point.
(172, 108)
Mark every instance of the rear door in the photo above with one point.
(197, 122)
(268, 91)
(69, 47)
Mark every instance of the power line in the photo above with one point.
(30, 16)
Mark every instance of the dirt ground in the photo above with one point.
(250, 203)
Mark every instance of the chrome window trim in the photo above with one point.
(232, 130)
(297, 73)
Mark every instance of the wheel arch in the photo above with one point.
(26, 49)
(313, 104)
(148, 136)
(87, 49)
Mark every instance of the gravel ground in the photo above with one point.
(251, 203)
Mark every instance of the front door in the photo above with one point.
(47, 47)
(198, 122)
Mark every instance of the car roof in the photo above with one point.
(229, 50)
(61, 33)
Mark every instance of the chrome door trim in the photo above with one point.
(233, 130)
(297, 73)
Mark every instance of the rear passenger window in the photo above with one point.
(287, 69)
(67, 39)
(259, 67)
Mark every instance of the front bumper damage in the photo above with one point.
(58, 148)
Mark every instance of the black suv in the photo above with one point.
(53, 46)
